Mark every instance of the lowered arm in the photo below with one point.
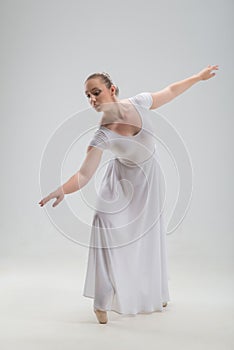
(86, 171)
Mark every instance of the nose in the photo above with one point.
(92, 99)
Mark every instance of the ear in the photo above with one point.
(113, 89)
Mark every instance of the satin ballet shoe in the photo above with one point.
(164, 304)
(101, 316)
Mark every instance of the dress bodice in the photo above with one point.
(135, 149)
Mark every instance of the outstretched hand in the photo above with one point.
(58, 194)
(206, 73)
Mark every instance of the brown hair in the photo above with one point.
(105, 77)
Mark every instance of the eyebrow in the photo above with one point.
(91, 89)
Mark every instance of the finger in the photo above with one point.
(56, 202)
(59, 199)
(42, 202)
(45, 200)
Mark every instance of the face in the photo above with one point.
(98, 94)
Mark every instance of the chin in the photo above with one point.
(98, 108)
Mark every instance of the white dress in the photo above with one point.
(127, 260)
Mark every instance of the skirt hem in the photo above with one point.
(128, 313)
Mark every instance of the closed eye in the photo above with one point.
(96, 93)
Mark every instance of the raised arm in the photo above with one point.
(79, 179)
(171, 91)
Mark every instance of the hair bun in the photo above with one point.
(107, 75)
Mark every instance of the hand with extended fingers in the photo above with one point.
(58, 194)
(206, 73)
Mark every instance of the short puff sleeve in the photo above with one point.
(144, 99)
(99, 140)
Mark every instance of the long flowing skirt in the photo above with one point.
(127, 270)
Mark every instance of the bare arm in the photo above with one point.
(79, 179)
(171, 91)
(86, 171)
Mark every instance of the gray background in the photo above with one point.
(48, 48)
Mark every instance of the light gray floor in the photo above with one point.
(42, 307)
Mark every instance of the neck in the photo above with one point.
(114, 112)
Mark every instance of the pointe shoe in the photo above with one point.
(101, 316)
(164, 304)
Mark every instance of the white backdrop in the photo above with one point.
(48, 48)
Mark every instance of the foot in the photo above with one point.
(101, 316)
(164, 304)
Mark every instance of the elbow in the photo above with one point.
(172, 92)
(175, 90)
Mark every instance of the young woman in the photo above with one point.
(127, 265)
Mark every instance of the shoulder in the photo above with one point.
(143, 99)
(100, 138)
(101, 133)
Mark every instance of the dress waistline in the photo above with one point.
(130, 163)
